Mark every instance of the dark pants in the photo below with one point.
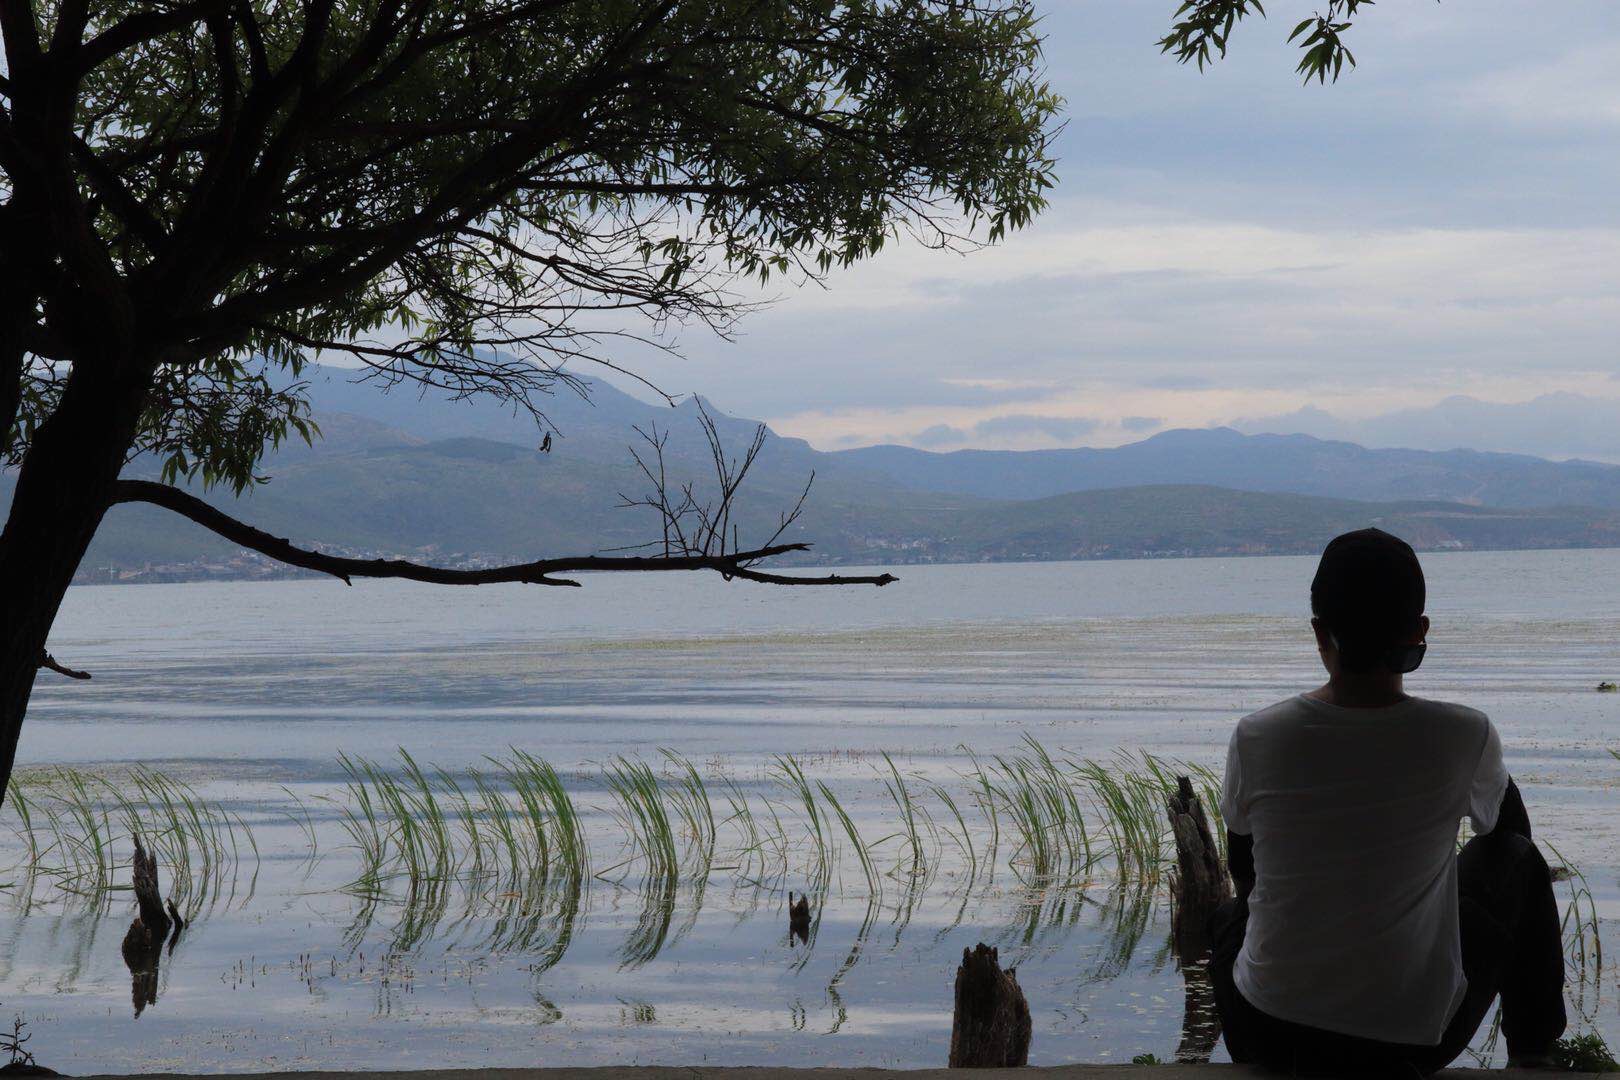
(1511, 946)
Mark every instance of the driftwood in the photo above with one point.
(991, 1026)
(143, 944)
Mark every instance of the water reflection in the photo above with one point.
(1200, 1022)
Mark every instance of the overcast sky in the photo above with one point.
(1233, 245)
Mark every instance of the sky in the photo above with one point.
(1234, 248)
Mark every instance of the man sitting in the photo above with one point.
(1361, 940)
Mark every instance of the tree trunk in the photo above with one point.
(991, 1026)
(63, 488)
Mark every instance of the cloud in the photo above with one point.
(1009, 430)
(938, 435)
(1057, 428)
(1233, 244)
(1141, 423)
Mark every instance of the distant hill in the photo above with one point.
(463, 483)
(1199, 520)
(1559, 425)
(1298, 464)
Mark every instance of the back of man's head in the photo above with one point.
(1369, 594)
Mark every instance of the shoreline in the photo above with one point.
(162, 577)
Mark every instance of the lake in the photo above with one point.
(840, 742)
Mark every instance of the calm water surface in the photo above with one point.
(250, 691)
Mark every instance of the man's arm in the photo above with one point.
(1512, 817)
(1240, 862)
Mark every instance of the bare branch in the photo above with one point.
(46, 660)
(535, 573)
(831, 579)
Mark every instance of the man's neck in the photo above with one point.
(1372, 691)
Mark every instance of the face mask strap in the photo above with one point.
(1402, 659)
(1405, 659)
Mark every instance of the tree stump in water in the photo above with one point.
(991, 1026)
(143, 944)
(1200, 880)
(1201, 884)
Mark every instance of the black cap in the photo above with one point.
(1369, 591)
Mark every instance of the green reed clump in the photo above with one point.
(914, 865)
(515, 828)
(689, 795)
(551, 820)
(791, 776)
(962, 834)
(1127, 793)
(78, 828)
(862, 849)
(644, 816)
(1043, 811)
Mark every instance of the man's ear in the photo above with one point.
(1423, 629)
(1324, 639)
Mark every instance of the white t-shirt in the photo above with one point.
(1354, 814)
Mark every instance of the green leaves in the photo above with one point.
(1207, 24)
(1325, 52)
(213, 423)
(1203, 28)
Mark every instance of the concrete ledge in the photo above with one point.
(1059, 1072)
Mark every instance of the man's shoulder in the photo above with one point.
(1292, 709)
(1281, 712)
(1465, 715)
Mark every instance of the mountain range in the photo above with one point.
(464, 482)
(1557, 425)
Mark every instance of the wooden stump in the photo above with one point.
(143, 944)
(991, 1027)
(1201, 884)
(1200, 880)
(151, 925)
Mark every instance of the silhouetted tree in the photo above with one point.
(197, 195)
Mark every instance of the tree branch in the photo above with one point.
(735, 564)
(831, 579)
(138, 29)
(46, 660)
